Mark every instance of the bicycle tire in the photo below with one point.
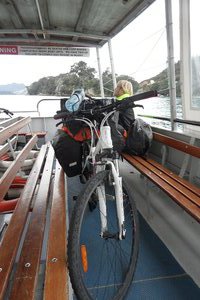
(110, 286)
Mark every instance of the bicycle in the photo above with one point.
(103, 236)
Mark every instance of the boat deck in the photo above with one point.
(158, 275)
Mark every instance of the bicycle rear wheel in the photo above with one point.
(102, 268)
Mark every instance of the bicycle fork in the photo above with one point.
(119, 204)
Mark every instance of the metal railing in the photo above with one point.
(177, 120)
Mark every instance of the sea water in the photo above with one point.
(30, 105)
(47, 106)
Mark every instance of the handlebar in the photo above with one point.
(116, 106)
(6, 111)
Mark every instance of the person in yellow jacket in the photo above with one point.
(123, 90)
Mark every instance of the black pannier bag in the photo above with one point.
(68, 152)
(139, 138)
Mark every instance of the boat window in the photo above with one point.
(195, 52)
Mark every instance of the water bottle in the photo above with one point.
(106, 140)
(73, 103)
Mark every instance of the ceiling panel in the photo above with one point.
(65, 22)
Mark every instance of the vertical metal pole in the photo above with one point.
(100, 73)
(112, 64)
(185, 57)
(171, 65)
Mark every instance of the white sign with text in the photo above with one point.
(44, 51)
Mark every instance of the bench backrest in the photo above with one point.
(5, 133)
(13, 128)
(177, 144)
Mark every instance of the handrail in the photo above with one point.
(37, 106)
(177, 120)
(24, 111)
(48, 99)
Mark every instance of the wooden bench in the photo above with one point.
(37, 227)
(184, 193)
(5, 134)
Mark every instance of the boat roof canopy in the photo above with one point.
(80, 23)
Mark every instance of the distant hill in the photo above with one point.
(160, 82)
(13, 89)
(80, 75)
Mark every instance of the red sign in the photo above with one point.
(8, 50)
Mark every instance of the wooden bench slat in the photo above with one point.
(13, 128)
(11, 239)
(176, 185)
(38, 133)
(11, 172)
(179, 198)
(182, 181)
(8, 122)
(56, 286)
(25, 280)
(179, 145)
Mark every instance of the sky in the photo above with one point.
(139, 51)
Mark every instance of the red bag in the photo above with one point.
(83, 134)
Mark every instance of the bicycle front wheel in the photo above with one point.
(102, 268)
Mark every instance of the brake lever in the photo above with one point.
(7, 112)
(57, 124)
(139, 105)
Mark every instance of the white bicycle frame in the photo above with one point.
(105, 142)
